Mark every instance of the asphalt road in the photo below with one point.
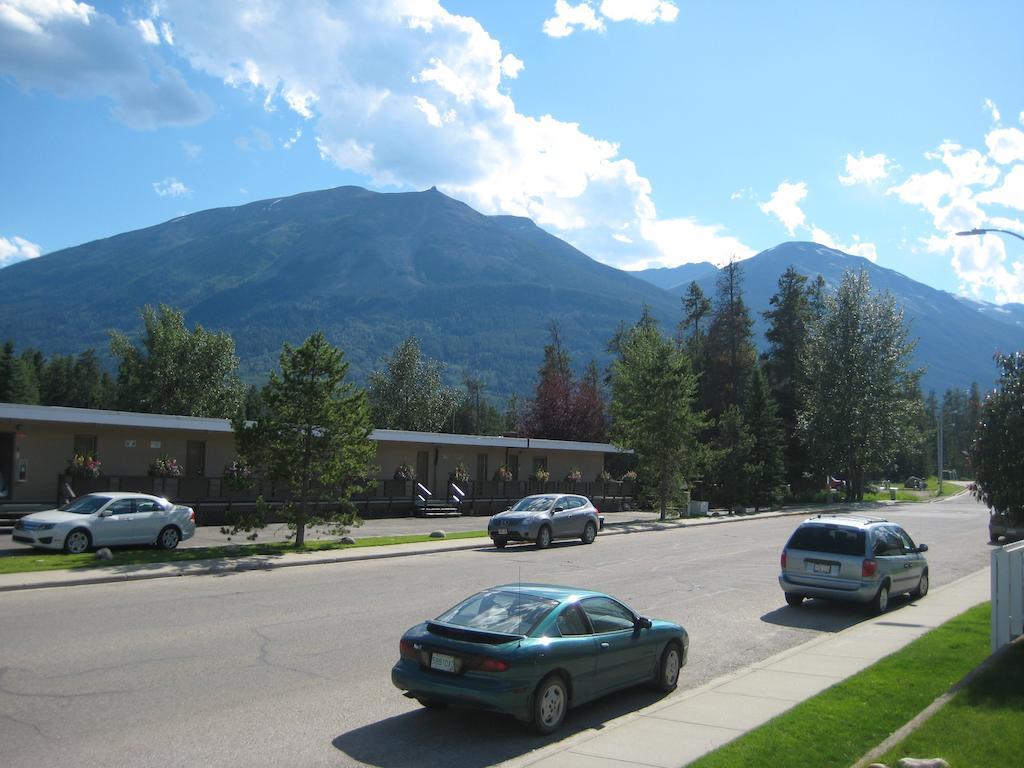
(291, 667)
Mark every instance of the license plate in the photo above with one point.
(503, 531)
(442, 661)
(822, 568)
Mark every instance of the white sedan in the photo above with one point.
(105, 519)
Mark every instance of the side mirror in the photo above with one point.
(642, 622)
(922, 547)
(559, 509)
(106, 513)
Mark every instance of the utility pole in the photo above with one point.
(939, 449)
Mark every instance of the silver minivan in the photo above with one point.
(852, 557)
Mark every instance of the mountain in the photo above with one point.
(956, 336)
(368, 268)
(479, 291)
(676, 279)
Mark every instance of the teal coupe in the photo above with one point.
(534, 650)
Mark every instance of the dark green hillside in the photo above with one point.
(368, 268)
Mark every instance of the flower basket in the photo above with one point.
(84, 466)
(404, 472)
(461, 474)
(603, 476)
(574, 475)
(165, 466)
(503, 474)
(541, 475)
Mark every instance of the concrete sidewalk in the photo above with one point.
(689, 724)
(615, 524)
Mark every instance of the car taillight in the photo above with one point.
(596, 510)
(192, 515)
(868, 568)
(782, 560)
(406, 650)
(492, 665)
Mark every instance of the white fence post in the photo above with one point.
(1007, 594)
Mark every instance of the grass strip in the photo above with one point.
(44, 561)
(838, 726)
(983, 725)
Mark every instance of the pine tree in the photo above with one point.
(731, 354)
(765, 465)
(313, 437)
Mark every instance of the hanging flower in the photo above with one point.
(84, 466)
(541, 475)
(574, 475)
(165, 466)
(238, 475)
(405, 472)
(503, 474)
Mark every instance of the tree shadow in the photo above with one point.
(471, 738)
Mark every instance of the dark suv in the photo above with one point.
(855, 558)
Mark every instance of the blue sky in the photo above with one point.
(645, 132)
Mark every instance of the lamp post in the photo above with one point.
(987, 230)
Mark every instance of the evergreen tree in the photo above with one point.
(857, 409)
(475, 415)
(6, 371)
(787, 320)
(765, 465)
(731, 471)
(731, 354)
(653, 393)
(313, 437)
(549, 414)
(589, 423)
(409, 394)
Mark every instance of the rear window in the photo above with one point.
(832, 539)
(507, 612)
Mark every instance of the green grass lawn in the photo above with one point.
(839, 726)
(982, 726)
(38, 560)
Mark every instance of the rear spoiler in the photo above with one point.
(470, 634)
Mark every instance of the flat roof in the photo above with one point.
(56, 414)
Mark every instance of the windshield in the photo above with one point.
(507, 612)
(534, 504)
(85, 505)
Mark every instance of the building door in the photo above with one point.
(422, 466)
(6, 465)
(481, 467)
(195, 458)
(513, 465)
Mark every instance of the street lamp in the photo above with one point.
(986, 231)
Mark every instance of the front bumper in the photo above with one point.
(495, 692)
(514, 531)
(44, 539)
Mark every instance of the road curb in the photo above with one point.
(260, 563)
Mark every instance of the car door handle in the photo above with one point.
(605, 645)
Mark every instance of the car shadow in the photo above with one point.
(827, 615)
(470, 738)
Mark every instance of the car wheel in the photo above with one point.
(794, 600)
(881, 602)
(433, 704)
(668, 670)
(543, 537)
(589, 533)
(77, 542)
(922, 587)
(500, 542)
(168, 538)
(550, 703)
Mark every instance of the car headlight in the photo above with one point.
(44, 526)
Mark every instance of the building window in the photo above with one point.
(84, 445)
(422, 466)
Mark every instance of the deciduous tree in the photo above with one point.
(409, 393)
(177, 371)
(998, 451)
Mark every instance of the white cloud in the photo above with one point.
(33, 16)
(568, 16)
(785, 205)
(993, 109)
(511, 66)
(1005, 145)
(865, 170)
(73, 50)
(290, 142)
(171, 187)
(17, 249)
(1010, 193)
(857, 248)
(643, 11)
(148, 31)
(585, 16)
(192, 151)
(409, 95)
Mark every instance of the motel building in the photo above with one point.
(38, 445)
